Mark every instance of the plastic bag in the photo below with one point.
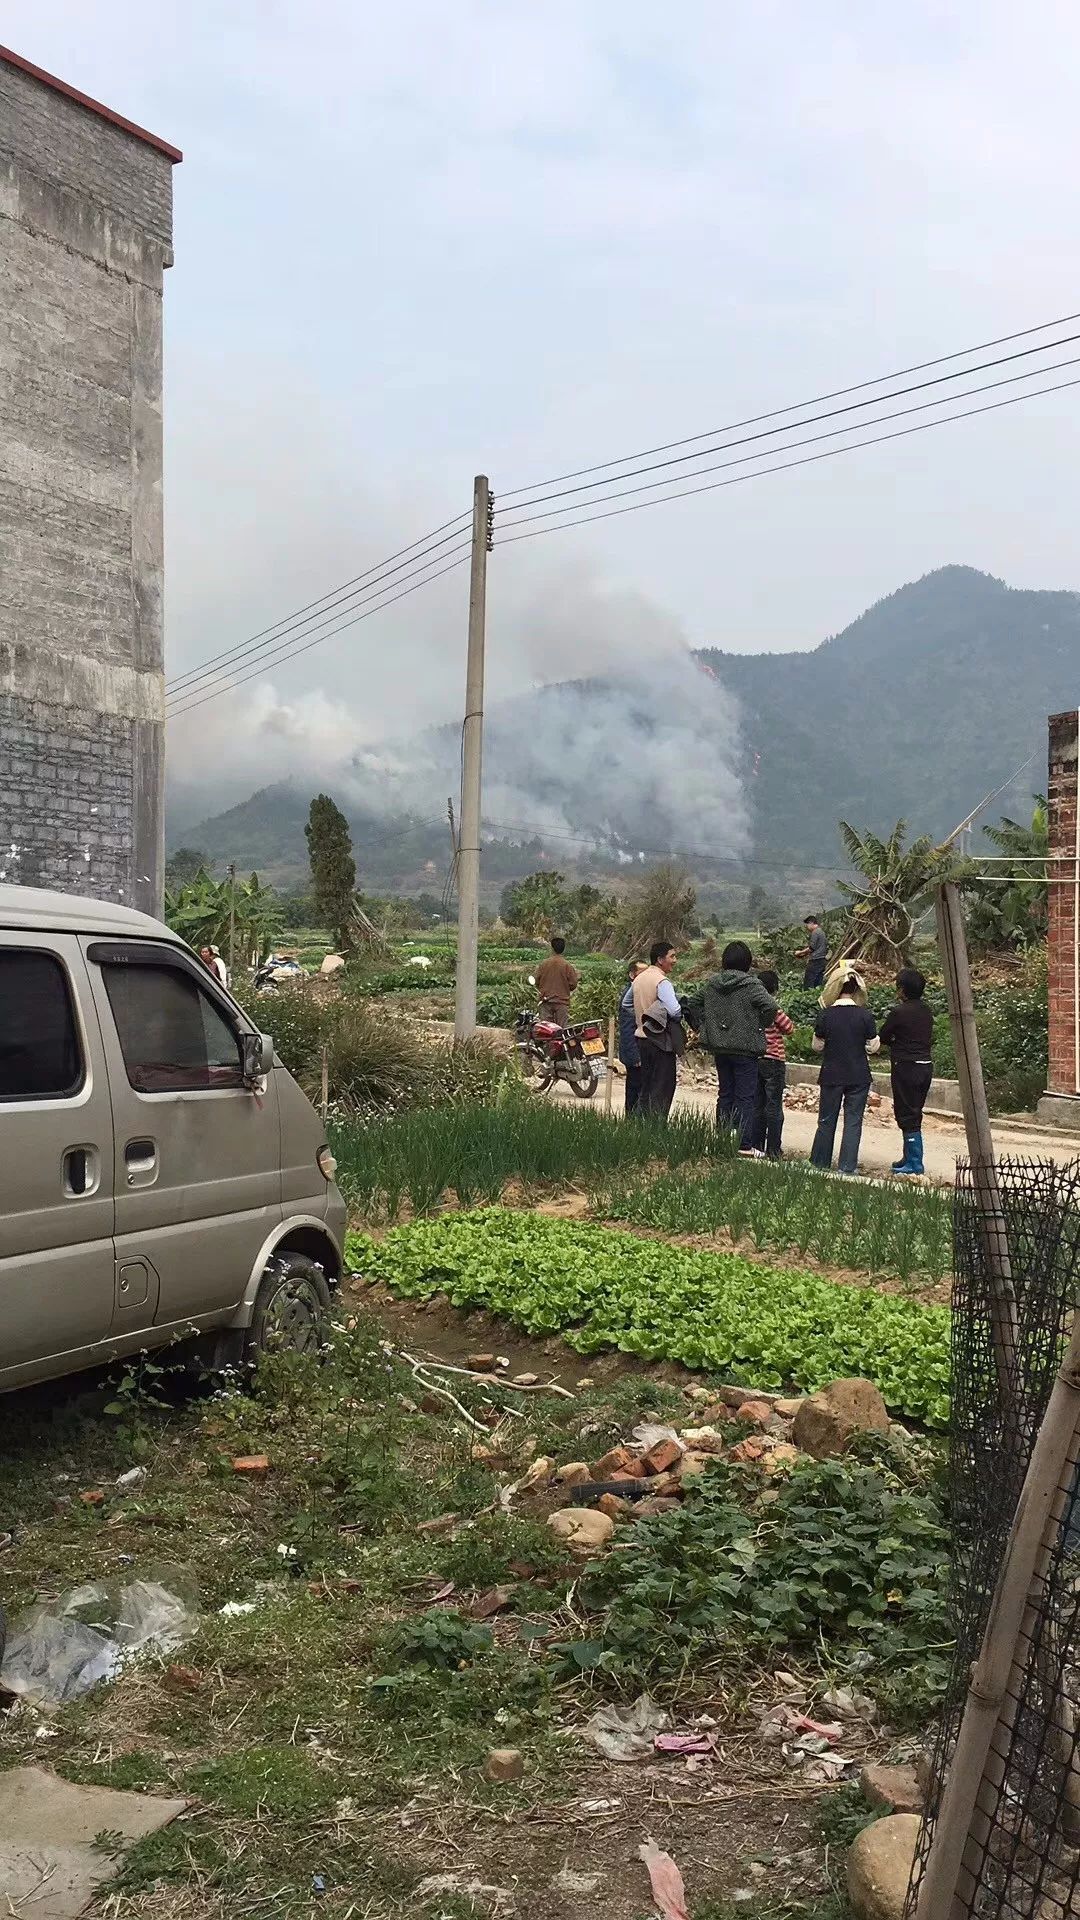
(54, 1654)
(625, 1733)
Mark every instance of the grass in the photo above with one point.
(602, 1288)
(473, 1151)
(331, 1742)
(902, 1232)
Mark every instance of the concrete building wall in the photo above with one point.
(1061, 1102)
(85, 236)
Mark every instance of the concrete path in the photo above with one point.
(49, 1865)
(943, 1139)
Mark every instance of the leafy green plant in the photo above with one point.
(604, 1288)
(845, 1561)
(440, 1639)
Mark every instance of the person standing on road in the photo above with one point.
(772, 1075)
(815, 952)
(555, 983)
(908, 1033)
(629, 1051)
(658, 1030)
(731, 1014)
(845, 1034)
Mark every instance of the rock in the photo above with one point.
(749, 1449)
(653, 1504)
(698, 1394)
(879, 1867)
(827, 1422)
(694, 1463)
(615, 1508)
(92, 1497)
(480, 1362)
(494, 1457)
(503, 1764)
(738, 1396)
(538, 1475)
(754, 1413)
(896, 1788)
(525, 1380)
(787, 1409)
(780, 1459)
(583, 1528)
(587, 1381)
(662, 1457)
(574, 1474)
(703, 1439)
(618, 1460)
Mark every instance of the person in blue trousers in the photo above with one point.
(908, 1034)
(845, 1035)
(629, 1052)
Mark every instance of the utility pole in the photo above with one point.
(232, 918)
(472, 741)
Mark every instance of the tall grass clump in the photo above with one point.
(473, 1150)
(899, 1231)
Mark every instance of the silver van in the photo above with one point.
(162, 1177)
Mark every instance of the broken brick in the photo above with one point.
(662, 1457)
(613, 1506)
(93, 1497)
(251, 1463)
(619, 1460)
(754, 1413)
(749, 1449)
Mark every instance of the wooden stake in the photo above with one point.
(611, 1056)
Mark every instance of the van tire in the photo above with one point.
(292, 1309)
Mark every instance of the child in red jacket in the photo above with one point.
(772, 1075)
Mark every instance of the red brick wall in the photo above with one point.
(1062, 1077)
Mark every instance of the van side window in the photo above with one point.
(39, 1045)
(172, 1036)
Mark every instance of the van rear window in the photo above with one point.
(39, 1045)
(173, 1037)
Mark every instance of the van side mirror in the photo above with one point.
(258, 1055)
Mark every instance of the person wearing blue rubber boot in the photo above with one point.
(908, 1033)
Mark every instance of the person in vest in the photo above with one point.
(661, 1042)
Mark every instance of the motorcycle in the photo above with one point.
(548, 1052)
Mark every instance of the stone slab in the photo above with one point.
(1060, 1111)
(49, 1866)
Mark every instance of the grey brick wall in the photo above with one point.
(65, 799)
(85, 236)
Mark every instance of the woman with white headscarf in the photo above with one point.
(845, 1034)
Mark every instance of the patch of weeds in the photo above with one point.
(282, 1781)
(841, 1816)
(173, 1855)
(488, 1553)
(823, 1906)
(441, 1640)
(129, 1772)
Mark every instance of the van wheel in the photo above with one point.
(292, 1309)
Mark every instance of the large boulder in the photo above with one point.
(879, 1867)
(584, 1530)
(827, 1422)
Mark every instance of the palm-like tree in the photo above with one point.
(1013, 917)
(899, 881)
(205, 911)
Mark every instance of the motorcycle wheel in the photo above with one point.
(584, 1083)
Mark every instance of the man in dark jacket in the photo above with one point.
(629, 1052)
(731, 1015)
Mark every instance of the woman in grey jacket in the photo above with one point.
(732, 1015)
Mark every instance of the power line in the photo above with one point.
(783, 466)
(797, 406)
(834, 433)
(294, 627)
(231, 686)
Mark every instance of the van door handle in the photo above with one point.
(140, 1158)
(81, 1172)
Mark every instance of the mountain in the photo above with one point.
(917, 710)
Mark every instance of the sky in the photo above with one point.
(418, 242)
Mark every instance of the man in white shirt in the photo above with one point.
(659, 1052)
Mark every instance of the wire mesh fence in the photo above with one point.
(1017, 1272)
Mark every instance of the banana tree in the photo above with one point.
(898, 883)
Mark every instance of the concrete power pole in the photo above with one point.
(472, 741)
